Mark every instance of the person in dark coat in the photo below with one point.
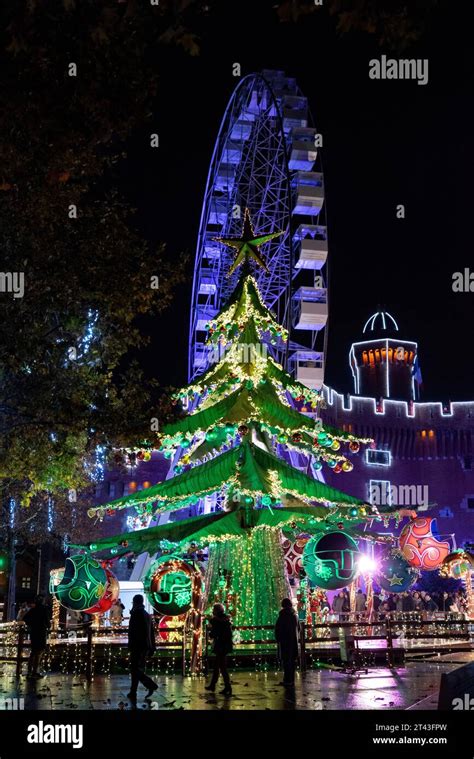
(141, 643)
(377, 601)
(340, 605)
(408, 604)
(445, 602)
(37, 619)
(220, 632)
(418, 604)
(399, 602)
(430, 605)
(286, 634)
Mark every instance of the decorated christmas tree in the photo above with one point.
(247, 422)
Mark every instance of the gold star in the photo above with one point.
(394, 580)
(247, 245)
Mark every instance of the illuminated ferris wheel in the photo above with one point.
(266, 159)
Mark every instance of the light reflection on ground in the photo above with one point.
(382, 688)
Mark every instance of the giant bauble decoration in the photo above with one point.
(172, 586)
(83, 583)
(329, 560)
(111, 594)
(395, 574)
(458, 564)
(419, 542)
(293, 554)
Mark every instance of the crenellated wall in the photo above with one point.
(431, 446)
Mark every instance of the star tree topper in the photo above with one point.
(247, 245)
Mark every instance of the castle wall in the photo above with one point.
(431, 447)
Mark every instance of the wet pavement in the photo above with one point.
(410, 687)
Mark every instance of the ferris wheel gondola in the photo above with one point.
(266, 160)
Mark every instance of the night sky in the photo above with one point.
(385, 143)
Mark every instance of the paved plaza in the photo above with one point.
(414, 686)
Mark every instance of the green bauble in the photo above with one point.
(172, 586)
(83, 584)
(329, 560)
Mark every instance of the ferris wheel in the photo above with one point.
(266, 159)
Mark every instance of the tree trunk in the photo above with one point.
(11, 594)
(248, 574)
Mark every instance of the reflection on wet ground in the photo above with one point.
(414, 685)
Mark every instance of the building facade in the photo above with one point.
(423, 455)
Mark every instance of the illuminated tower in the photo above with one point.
(383, 365)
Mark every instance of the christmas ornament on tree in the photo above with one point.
(172, 586)
(251, 473)
(458, 565)
(420, 545)
(83, 583)
(111, 594)
(293, 554)
(329, 560)
(395, 574)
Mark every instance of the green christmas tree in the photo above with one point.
(242, 422)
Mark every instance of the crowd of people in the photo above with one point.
(385, 604)
(141, 634)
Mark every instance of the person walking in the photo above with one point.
(220, 632)
(141, 643)
(286, 634)
(37, 620)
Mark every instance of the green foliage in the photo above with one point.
(67, 383)
(395, 24)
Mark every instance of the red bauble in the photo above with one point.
(421, 546)
(297, 437)
(354, 447)
(243, 429)
(292, 554)
(112, 590)
(140, 455)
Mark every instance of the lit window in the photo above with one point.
(377, 458)
(25, 583)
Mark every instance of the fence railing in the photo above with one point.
(192, 646)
